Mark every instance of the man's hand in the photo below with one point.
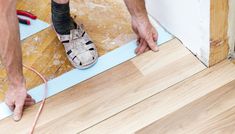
(146, 33)
(17, 98)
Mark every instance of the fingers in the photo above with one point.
(139, 45)
(147, 40)
(29, 103)
(18, 108)
(155, 35)
(142, 48)
(147, 49)
(151, 43)
(28, 99)
(28, 96)
(10, 105)
(138, 40)
(18, 111)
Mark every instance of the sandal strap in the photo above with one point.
(64, 38)
(75, 34)
(78, 32)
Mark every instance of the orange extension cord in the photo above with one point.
(44, 97)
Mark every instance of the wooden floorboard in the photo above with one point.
(169, 101)
(213, 113)
(174, 52)
(111, 92)
(221, 124)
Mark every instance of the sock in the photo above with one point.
(61, 18)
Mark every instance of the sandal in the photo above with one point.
(79, 48)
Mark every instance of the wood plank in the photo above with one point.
(221, 124)
(219, 47)
(147, 66)
(103, 96)
(197, 117)
(82, 95)
(167, 101)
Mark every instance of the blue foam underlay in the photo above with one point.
(35, 27)
(75, 76)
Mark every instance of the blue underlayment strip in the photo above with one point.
(35, 27)
(73, 77)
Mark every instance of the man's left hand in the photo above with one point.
(146, 33)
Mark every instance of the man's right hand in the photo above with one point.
(17, 98)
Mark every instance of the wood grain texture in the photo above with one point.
(208, 115)
(219, 47)
(231, 27)
(75, 101)
(167, 102)
(147, 66)
(221, 124)
(46, 54)
(109, 93)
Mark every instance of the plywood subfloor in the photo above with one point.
(90, 104)
(106, 21)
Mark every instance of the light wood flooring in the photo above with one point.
(169, 92)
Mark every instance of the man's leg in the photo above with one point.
(61, 18)
(79, 48)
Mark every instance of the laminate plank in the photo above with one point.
(221, 124)
(210, 114)
(81, 99)
(146, 66)
(166, 102)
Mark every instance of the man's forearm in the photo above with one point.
(136, 8)
(10, 43)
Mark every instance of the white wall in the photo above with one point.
(188, 20)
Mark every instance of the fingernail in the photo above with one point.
(157, 48)
(16, 118)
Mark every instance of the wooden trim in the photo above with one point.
(231, 27)
(219, 47)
